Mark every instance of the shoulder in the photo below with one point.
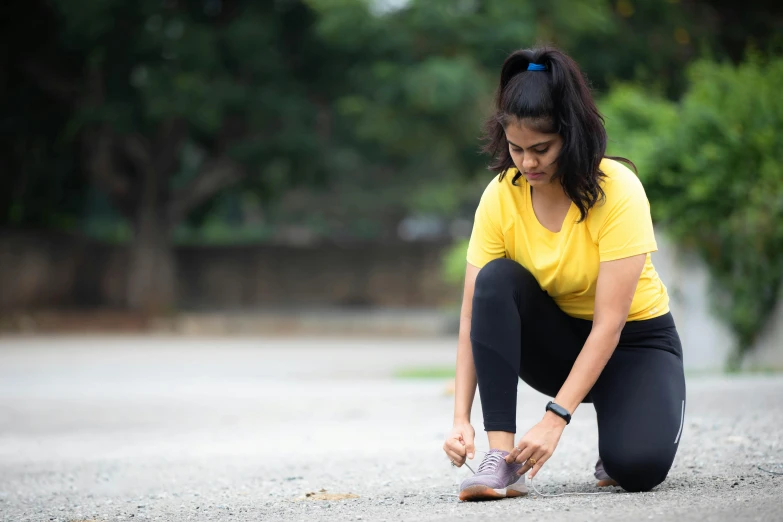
(620, 181)
(623, 191)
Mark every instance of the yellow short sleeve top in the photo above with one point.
(566, 263)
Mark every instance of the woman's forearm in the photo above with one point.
(465, 379)
(617, 282)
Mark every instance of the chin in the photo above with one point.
(539, 182)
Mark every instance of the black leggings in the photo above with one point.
(519, 331)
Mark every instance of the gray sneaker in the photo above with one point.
(603, 477)
(494, 479)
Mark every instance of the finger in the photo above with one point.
(539, 465)
(455, 458)
(451, 452)
(538, 455)
(455, 451)
(458, 447)
(525, 454)
(457, 461)
(470, 448)
(512, 455)
(455, 440)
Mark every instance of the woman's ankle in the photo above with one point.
(500, 440)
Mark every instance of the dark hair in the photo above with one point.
(555, 100)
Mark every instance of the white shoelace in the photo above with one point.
(491, 460)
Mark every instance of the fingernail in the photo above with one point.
(470, 455)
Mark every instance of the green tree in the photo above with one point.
(713, 167)
(173, 104)
(40, 186)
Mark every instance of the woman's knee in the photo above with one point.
(638, 471)
(501, 276)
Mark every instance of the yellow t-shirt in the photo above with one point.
(566, 263)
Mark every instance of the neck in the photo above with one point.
(551, 192)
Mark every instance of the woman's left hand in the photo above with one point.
(538, 444)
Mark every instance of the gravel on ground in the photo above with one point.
(170, 429)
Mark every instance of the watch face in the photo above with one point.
(558, 410)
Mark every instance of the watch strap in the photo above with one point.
(559, 411)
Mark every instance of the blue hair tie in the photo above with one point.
(536, 67)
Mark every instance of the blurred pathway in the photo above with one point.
(242, 429)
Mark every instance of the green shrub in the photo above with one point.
(712, 167)
(453, 263)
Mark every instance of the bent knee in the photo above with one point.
(637, 473)
(501, 274)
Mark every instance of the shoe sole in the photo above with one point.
(479, 492)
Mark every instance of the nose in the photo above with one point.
(529, 162)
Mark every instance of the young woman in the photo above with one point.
(560, 291)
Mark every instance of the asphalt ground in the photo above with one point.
(169, 429)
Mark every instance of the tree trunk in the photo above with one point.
(139, 188)
(151, 265)
(152, 272)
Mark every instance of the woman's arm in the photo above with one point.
(465, 383)
(459, 444)
(486, 243)
(617, 281)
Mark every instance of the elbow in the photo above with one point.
(609, 330)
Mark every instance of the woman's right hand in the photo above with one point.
(459, 443)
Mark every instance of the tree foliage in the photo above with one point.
(712, 166)
(332, 114)
(170, 105)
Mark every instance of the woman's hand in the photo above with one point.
(538, 444)
(459, 443)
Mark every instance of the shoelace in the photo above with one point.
(490, 462)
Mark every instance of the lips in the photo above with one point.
(534, 175)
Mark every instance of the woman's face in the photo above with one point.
(534, 153)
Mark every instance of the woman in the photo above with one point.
(560, 291)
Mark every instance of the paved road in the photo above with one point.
(180, 429)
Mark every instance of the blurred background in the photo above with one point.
(311, 167)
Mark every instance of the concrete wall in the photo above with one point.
(56, 272)
(768, 352)
(706, 341)
(47, 271)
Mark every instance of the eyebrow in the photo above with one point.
(530, 147)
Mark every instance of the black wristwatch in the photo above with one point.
(559, 411)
